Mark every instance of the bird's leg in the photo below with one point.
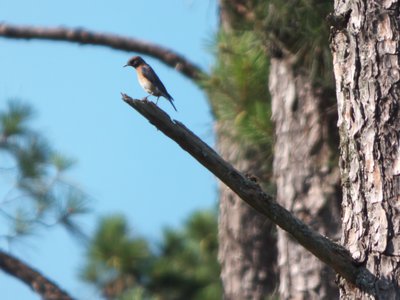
(145, 98)
(157, 100)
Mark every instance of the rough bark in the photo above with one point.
(306, 179)
(365, 46)
(47, 289)
(247, 241)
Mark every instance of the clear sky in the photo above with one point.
(123, 162)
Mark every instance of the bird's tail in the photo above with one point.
(171, 100)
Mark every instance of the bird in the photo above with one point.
(149, 80)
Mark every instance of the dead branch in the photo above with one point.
(334, 255)
(47, 289)
(82, 36)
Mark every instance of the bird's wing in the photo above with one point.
(149, 73)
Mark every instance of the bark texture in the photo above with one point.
(365, 45)
(247, 241)
(307, 179)
(44, 287)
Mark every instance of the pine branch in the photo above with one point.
(334, 255)
(47, 289)
(82, 36)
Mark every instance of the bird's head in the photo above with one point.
(135, 62)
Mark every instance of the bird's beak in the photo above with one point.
(126, 65)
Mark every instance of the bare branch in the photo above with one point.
(334, 255)
(82, 36)
(44, 287)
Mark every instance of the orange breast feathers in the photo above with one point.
(144, 82)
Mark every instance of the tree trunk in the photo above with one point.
(306, 179)
(365, 46)
(247, 242)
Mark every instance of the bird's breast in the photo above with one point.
(145, 84)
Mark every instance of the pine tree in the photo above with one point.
(37, 193)
(183, 266)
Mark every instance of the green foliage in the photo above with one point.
(297, 27)
(300, 27)
(61, 163)
(117, 261)
(14, 121)
(238, 87)
(184, 267)
(136, 293)
(187, 266)
(36, 192)
(238, 84)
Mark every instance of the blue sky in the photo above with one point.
(123, 162)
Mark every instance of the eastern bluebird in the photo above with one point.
(149, 80)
